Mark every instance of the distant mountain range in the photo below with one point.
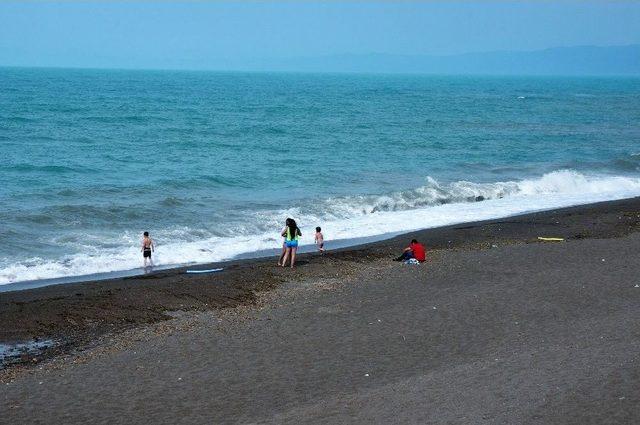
(582, 60)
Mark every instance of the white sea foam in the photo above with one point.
(430, 205)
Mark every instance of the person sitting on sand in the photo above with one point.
(147, 248)
(284, 241)
(292, 234)
(414, 250)
(319, 239)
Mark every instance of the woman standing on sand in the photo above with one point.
(291, 233)
(284, 242)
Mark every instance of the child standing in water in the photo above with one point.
(319, 239)
(147, 248)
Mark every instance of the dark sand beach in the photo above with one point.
(496, 328)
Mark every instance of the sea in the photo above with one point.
(212, 163)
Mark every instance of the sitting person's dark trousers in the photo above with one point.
(414, 250)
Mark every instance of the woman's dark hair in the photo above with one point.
(146, 233)
(293, 228)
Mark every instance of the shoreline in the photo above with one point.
(335, 245)
(139, 272)
(77, 314)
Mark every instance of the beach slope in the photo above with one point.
(496, 328)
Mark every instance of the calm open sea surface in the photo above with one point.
(212, 163)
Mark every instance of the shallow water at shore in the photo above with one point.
(21, 352)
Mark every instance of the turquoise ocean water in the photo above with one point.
(212, 163)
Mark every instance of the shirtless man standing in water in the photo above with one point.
(147, 248)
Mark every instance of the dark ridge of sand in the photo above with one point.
(75, 315)
(521, 333)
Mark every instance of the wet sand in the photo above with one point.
(495, 328)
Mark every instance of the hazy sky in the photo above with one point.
(208, 35)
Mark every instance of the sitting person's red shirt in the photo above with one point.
(418, 251)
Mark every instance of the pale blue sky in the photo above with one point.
(212, 35)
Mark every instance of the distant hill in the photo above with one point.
(582, 60)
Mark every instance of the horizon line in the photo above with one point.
(249, 69)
